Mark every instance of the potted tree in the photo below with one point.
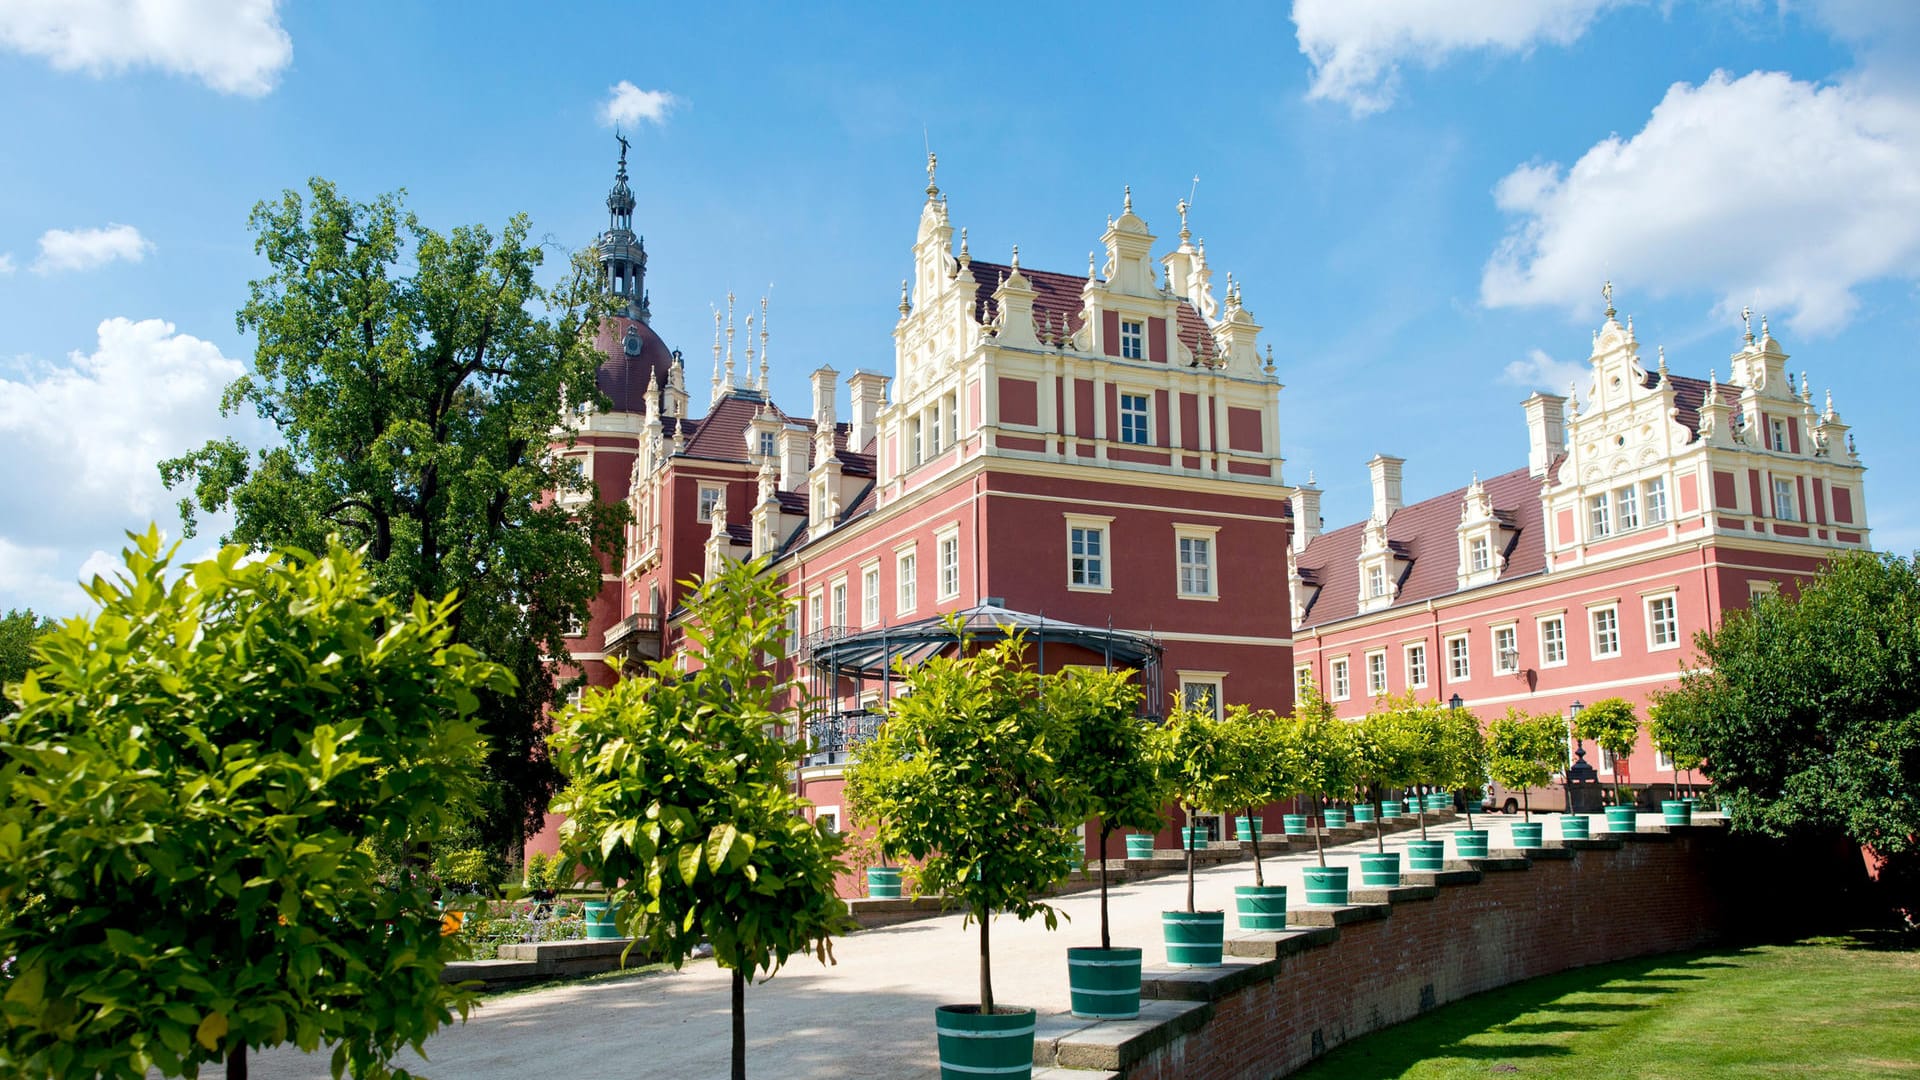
(1678, 743)
(1614, 725)
(1426, 735)
(678, 800)
(1464, 750)
(1114, 782)
(963, 778)
(1325, 748)
(1270, 770)
(1524, 750)
(1193, 753)
(1385, 757)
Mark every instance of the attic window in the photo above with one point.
(1479, 554)
(1376, 581)
(766, 444)
(1133, 340)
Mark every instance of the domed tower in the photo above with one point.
(636, 357)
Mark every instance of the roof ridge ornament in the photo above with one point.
(1746, 316)
(1126, 201)
(1606, 291)
(933, 189)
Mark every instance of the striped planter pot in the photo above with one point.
(1194, 839)
(1245, 829)
(1194, 938)
(1327, 884)
(1380, 870)
(1622, 819)
(1676, 812)
(1573, 827)
(1427, 855)
(1294, 824)
(1439, 801)
(1104, 983)
(1363, 814)
(883, 882)
(1261, 907)
(1139, 846)
(1528, 835)
(1335, 817)
(598, 915)
(1470, 843)
(1389, 810)
(975, 1044)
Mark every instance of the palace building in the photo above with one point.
(1094, 459)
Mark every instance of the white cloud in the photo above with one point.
(86, 249)
(6, 262)
(629, 106)
(81, 440)
(233, 46)
(1761, 190)
(1356, 47)
(1542, 372)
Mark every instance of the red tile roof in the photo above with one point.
(1059, 297)
(1427, 533)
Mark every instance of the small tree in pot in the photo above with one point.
(1194, 754)
(1325, 748)
(1613, 724)
(1463, 750)
(1523, 751)
(1679, 741)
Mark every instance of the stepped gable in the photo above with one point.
(626, 372)
(1427, 532)
(1059, 295)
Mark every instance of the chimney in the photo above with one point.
(869, 391)
(793, 458)
(1306, 515)
(1386, 485)
(1546, 431)
(826, 385)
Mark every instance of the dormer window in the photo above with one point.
(1479, 555)
(767, 444)
(1133, 340)
(1777, 432)
(1376, 582)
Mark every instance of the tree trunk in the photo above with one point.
(1106, 833)
(1423, 816)
(1253, 824)
(1379, 829)
(1526, 804)
(986, 967)
(1186, 843)
(237, 1063)
(739, 1025)
(1319, 836)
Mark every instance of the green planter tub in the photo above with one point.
(1621, 819)
(1261, 907)
(1077, 854)
(1380, 870)
(975, 1044)
(1389, 810)
(883, 882)
(1194, 839)
(1139, 846)
(1105, 983)
(1335, 817)
(1439, 801)
(1470, 843)
(1676, 812)
(1194, 938)
(1245, 829)
(1327, 884)
(1294, 824)
(1573, 827)
(598, 916)
(1363, 814)
(1528, 834)
(1427, 855)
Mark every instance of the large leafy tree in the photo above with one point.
(184, 800)
(1806, 711)
(416, 379)
(1615, 725)
(1107, 761)
(1524, 752)
(679, 798)
(19, 629)
(965, 778)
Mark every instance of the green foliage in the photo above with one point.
(1107, 760)
(542, 872)
(19, 630)
(679, 799)
(415, 378)
(188, 787)
(1463, 754)
(1196, 757)
(1388, 750)
(1612, 723)
(965, 777)
(1671, 736)
(1526, 750)
(1806, 711)
(1325, 747)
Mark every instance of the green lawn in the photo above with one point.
(1826, 1007)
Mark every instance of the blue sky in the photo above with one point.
(1421, 200)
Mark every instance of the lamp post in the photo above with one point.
(1583, 783)
(1454, 702)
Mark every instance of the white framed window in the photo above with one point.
(935, 427)
(948, 552)
(1606, 631)
(953, 419)
(1661, 761)
(1342, 686)
(1626, 507)
(870, 594)
(816, 613)
(1553, 641)
(1606, 760)
(1600, 516)
(1201, 690)
(1377, 673)
(1417, 666)
(1087, 554)
(1193, 550)
(1757, 588)
(839, 608)
(1134, 419)
(710, 497)
(1506, 650)
(1302, 681)
(576, 626)
(1663, 623)
(916, 443)
(1459, 662)
(1656, 500)
(1777, 431)
(1376, 582)
(906, 568)
(826, 818)
(793, 630)
(1133, 339)
(767, 444)
(1479, 554)
(1785, 507)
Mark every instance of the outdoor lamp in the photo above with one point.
(1454, 702)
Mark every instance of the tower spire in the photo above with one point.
(729, 384)
(623, 255)
(762, 386)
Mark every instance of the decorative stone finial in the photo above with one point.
(762, 387)
(1310, 478)
(905, 304)
(1181, 208)
(729, 379)
(1765, 334)
(965, 257)
(933, 189)
(1126, 204)
(1829, 410)
(1016, 257)
(1746, 316)
(1606, 291)
(1269, 357)
(1806, 392)
(1090, 274)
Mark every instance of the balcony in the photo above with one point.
(636, 637)
(831, 739)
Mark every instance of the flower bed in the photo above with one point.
(491, 924)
